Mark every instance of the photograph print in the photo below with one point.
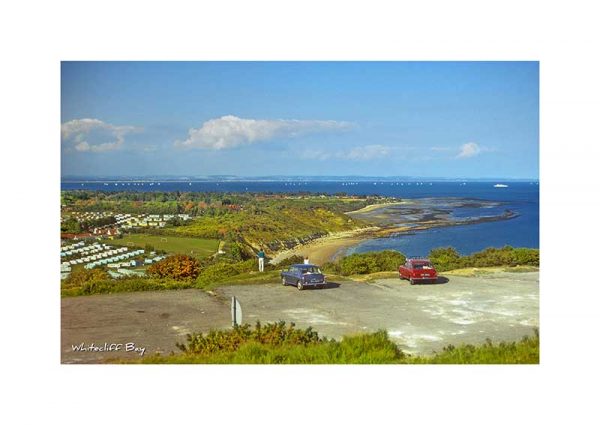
(299, 212)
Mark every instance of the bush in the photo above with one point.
(294, 259)
(279, 344)
(78, 278)
(448, 258)
(176, 267)
(70, 225)
(370, 262)
(445, 259)
(125, 284)
(237, 252)
(223, 269)
(331, 267)
(272, 334)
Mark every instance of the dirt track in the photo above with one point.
(420, 318)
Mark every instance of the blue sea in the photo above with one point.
(521, 197)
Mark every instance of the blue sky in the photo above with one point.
(429, 119)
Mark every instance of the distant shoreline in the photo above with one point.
(364, 179)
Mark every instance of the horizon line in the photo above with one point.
(232, 177)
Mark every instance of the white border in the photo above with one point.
(37, 35)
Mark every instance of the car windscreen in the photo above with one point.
(421, 266)
(310, 270)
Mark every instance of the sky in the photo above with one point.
(422, 119)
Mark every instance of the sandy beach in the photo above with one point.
(324, 249)
(385, 219)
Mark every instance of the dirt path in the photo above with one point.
(151, 320)
(420, 318)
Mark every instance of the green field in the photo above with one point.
(195, 247)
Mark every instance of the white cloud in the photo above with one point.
(469, 150)
(358, 153)
(230, 131)
(409, 153)
(93, 135)
(368, 152)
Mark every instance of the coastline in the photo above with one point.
(372, 207)
(325, 249)
(330, 247)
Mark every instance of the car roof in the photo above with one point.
(304, 265)
(419, 260)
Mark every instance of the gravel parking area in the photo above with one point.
(420, 319)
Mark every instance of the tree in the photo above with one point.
(177, 267)
(70, 225)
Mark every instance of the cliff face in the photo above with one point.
(276, 245)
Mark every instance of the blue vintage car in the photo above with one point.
(302, 276)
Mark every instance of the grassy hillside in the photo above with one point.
(196, 247)
(274, 221)
(275, 224)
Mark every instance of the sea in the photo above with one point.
(520, 197)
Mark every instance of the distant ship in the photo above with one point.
(500, 185)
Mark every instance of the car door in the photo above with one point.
(406, 272)
(295, 274)
(288, 274)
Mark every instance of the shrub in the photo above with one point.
(371, 262)
(448, 258)
(277, 344)
(294, 259)
(224, 269)
(70, 225)
(358, 264)
(272, 334)
(78, 278)
(445, 259)
(237, 252)
(331, 267)
(526, 256)
(126, 284)
(177, 267)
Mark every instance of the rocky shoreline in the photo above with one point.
(331, 246)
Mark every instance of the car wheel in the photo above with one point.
(412, 281)
(283, 281)
(300, 285)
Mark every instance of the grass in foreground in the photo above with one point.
(280, 344)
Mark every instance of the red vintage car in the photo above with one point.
(418, 270)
